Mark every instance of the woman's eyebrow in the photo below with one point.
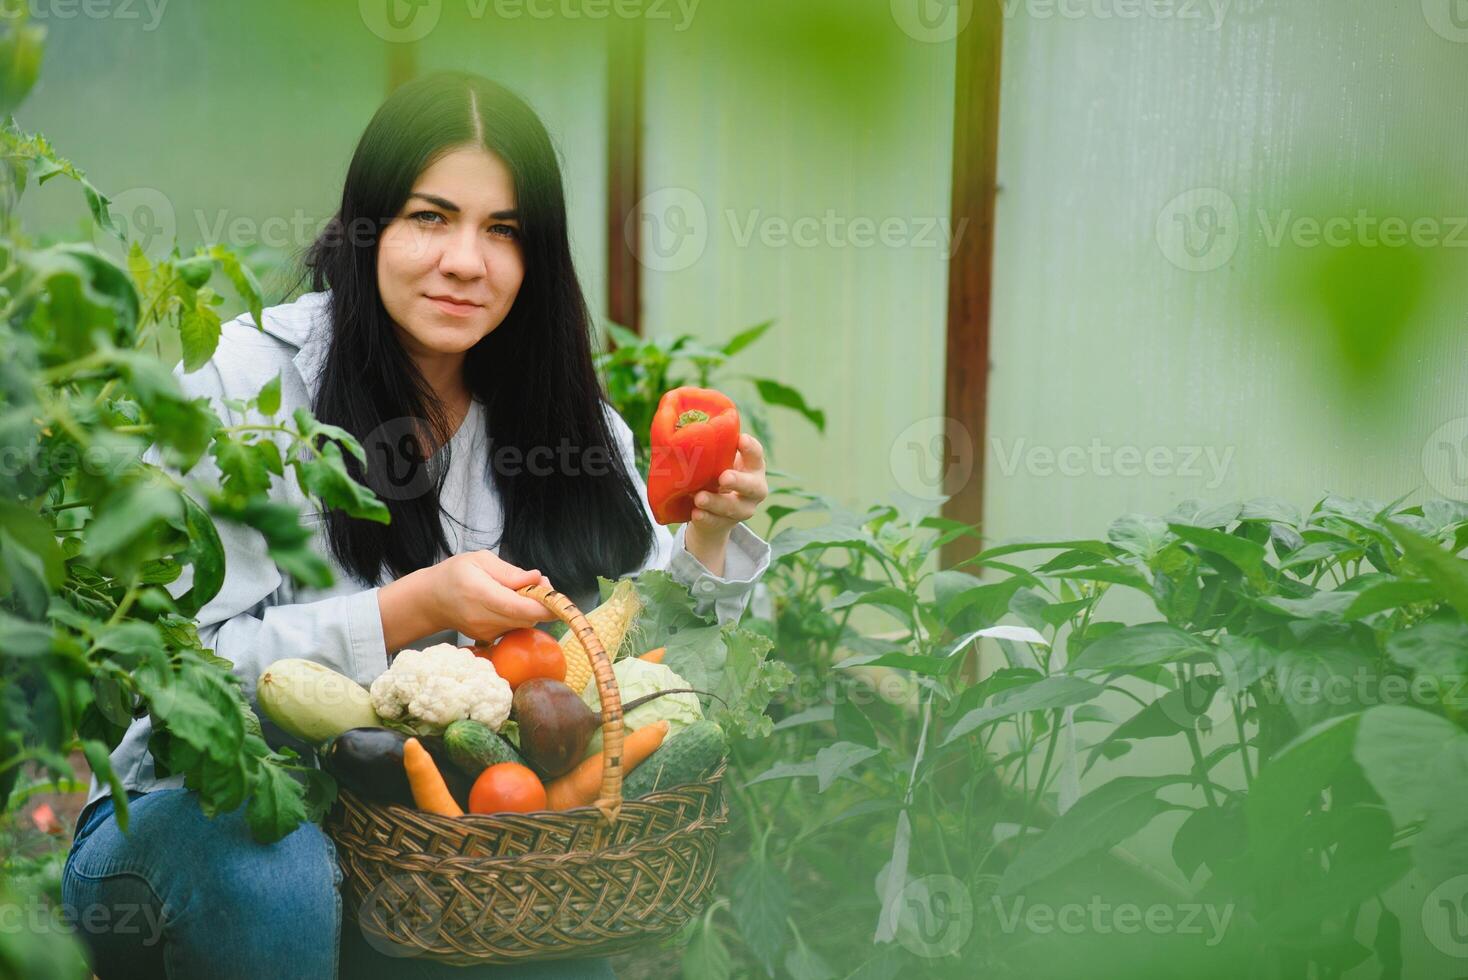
(511, 214)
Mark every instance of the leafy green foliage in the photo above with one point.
(1305, 668)
(106, 505)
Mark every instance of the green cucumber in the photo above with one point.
(474, 747)
(686, 757)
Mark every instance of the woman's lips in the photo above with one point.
(452, 308)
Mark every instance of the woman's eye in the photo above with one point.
(505, 231)
(426, 217)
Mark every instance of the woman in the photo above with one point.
(443, 290)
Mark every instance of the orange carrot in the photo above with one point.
(580, 786)
(654, 656)
(430, 792)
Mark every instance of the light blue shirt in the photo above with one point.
(260, 616)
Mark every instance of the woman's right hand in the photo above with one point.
(476, 594)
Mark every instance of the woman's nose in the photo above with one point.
(462, 257)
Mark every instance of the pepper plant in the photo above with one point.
(1275, 697)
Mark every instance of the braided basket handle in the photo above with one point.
(610, 801)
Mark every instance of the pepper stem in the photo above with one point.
(691, 416)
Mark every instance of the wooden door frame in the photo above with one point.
(625, 63)
(978, 60)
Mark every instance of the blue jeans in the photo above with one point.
(183, 896)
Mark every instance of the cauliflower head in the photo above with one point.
(431, 688)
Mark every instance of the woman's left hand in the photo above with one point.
(741, 490)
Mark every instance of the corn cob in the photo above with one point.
(611, 621)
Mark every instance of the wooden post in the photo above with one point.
(970, 269)
(624, 172)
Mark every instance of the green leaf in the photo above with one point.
(19, 638)
(127, 514)
(1391, 594)
(33, 533)
(242, 467)
(891, 600)
(1138, 535)
(1211, 836)
(1115, 574)
(1271, 509)
(1316, 683)
(1438, 647)
(1448, 573)
(1441, 850)
(1098, 821)
(1139, 646)
(840, 532)
(241, 278)
(1397, 747)
(198, 331)
(1322, 605)
(667, 608)
(760, 905)
(268, 400)
(744, 338)
(804, 963)
(706, 956)
(1247, 556)
(1243, 660)
(277, 804)
(1051, 692)
(206, 554)
(774, 393)
(829, 764)
(1292, 781)
(100, 762)
(1098, 548)
(326, 477)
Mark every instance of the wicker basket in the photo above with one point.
(508, 888)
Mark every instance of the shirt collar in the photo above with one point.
(305, 324)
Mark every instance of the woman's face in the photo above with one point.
(449, 264)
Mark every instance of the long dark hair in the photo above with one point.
(534, 373)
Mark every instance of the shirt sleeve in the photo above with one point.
(251, 621)
(745, 559)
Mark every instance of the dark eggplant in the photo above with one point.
(369, 762)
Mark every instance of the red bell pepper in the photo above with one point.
(695, 435)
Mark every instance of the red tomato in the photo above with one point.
(522, 654)
(507, 786)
